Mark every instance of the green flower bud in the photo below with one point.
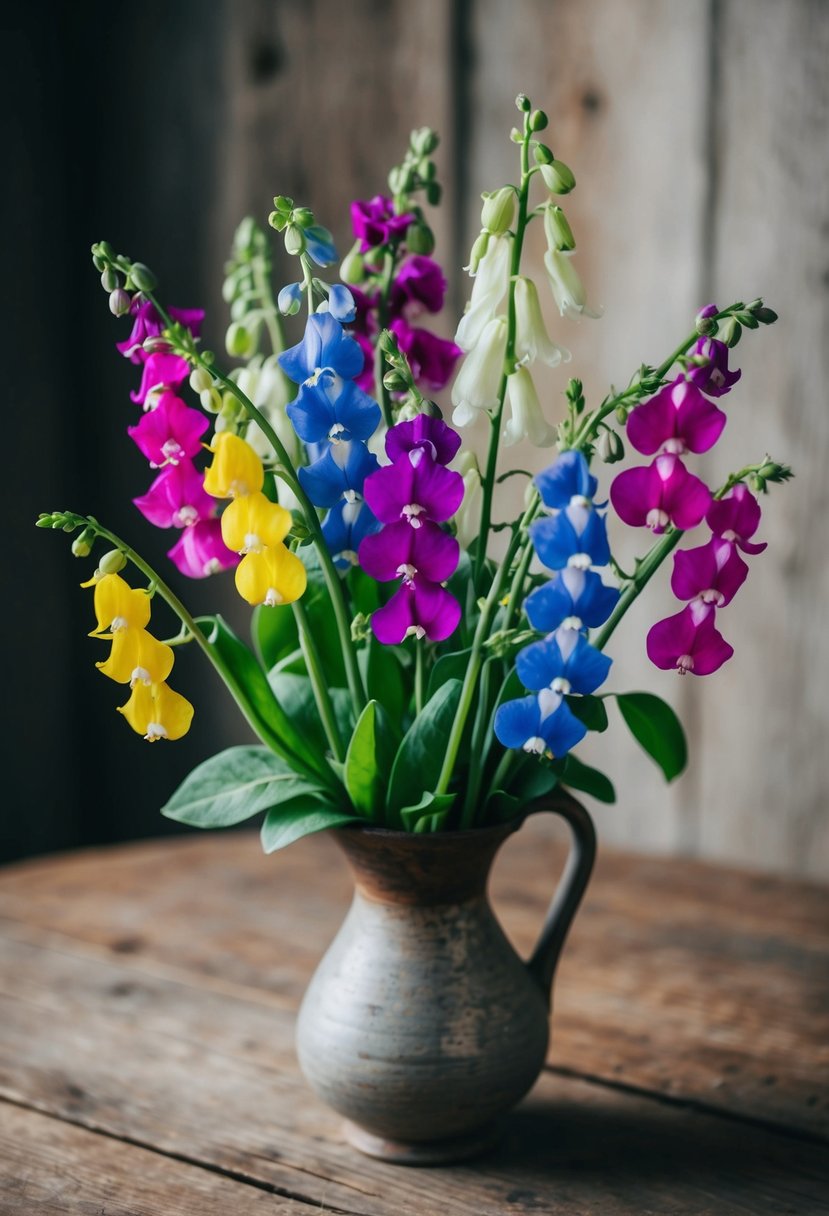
(231, 409)
(423, 141)
(110, 279)
(538, 120)
(360, 628)
(395, 382)
(283, 204)
(523, 103)
(210, 399)
(420, 238)
(82, 545)
(433, 193)
(239, 341)
(478, 250)
(104, 250)
(730, 331)
(294, 240)
(705, 326)
(112, 562)
(400, 180)
(747, 320)
(610, 447)
(766, 316)
(431, 409)
(119, 302)
(200, 379)
(98, 262)
(498, 211)
(543, 155)
(557, 230)
(387, 344)
(353, 268)
(758, 484)
(303, 217)
(143, 277)
(622, 414)
(427, 170)
(558, 177)
(277, 220)
(516, 136)
(43, 520)
(772, 471)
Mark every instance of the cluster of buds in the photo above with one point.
(120, 277)
(301, 233)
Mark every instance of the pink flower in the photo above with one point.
(419, 608)
(200, 550)
(677, 419)
(712, 573)
(177, 498)
(162, 371)
(432, 359)
(148, 324)
(736, 517)
(375, 223)
(662, 493)
(713, 377)
(169, 432)
(688, 641)
(419, 284)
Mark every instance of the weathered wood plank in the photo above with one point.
(700, 983)
(53, 1167)
(96, 1044)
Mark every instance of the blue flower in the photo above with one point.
(341, 303)
(572, 593)
(333, 409)
(540, 723)
(566, 478)
(289, 299)
(566, 663)
(320, 245)
(324, 345)
(343, 468)
(574, 536)
(344, 527)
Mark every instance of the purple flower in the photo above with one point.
(177, 498)
(659, 494)
(736, 517)
(688, 641)
(576, 596)
(344, 528)
(564, 662)
(432, 359)
(148, 324)
(200, 550)
(415, 488)
(334, 409)
(712, 573)
(678, 418)
(169, 432)
(539, 724)
(567, 478)
(419, 608)
(419, 284)
(375, 223)
(713, 377)
(324, 345)
(574, 536)
(403, 552)
(161, 372)
(340, 472)
(433, 434)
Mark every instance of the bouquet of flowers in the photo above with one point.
(399, 672)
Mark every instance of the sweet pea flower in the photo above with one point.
(488, 291)
(531, 338)
(419, 284)
(334, 409)
(148, 324)
(252, 522)
(564, 662)
(374, 222)
(137, 657)
(415, 488)
(479, 379)
(659, 494)
(423, 431)
(736, 517)
(324, 345)
(688, 642)
(419, 608)
(677, 419)
(431, 358)
(157, 712)
(177, 498)
(161, 372)
(400, 551)
(339, 473)
(526, 420)
(341, 303)
(271, 576)
(539, 724)
(118, 606)
(567, 288)
(575, 536)
(711, 574)
(200, 550)
(169, 432)
(577, 597)
(344, 527)
(567, 478)
(320, 245)
(712, 374)
(235, 469)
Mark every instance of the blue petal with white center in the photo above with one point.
(340, 472)
(539, 724)
(565, 663)
(334, 409)
(324, 345)
(566, 477)
(572, 593)
(574, 536)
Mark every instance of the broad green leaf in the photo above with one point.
(533, 780)
(420, 756)
(383, 677)
(362, 776)
(274, 634)
(578, 776)
(233, 786)
(590, 711)
(655, 726)
(502, 807)
(365, 591)
(431, 812)
(301, 817)
(448, 667)
(296, 696)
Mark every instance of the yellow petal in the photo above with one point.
(137, 656)
(252, 523)
(274, 576)
(236, 469)
(119, 606)
(156, 712)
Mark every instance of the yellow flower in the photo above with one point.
(119, 606)
(274, 576)
(137, 657)
(236, 469)
(252, 523)
(156, 712)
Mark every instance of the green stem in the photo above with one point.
(319, 684)
(478, 731)
(420, 675)
(383, 395)
(647, 568)
(504, 765)
(516, 595)
(273, 321)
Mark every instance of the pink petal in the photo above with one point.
(714, 571)
(684, 497)
(698, 421)
(634, 493)
(652, 423)
(200, 550)
(688, 642)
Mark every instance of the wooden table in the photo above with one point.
(146, 1065)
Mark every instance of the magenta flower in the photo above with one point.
(713, 377)
(161, 372)
(415, 488)
(148, 324)
(677, 419)
(419, 608)
(736, 517)
(661, 493)
(177, 498)
(433, 434)
(711, 574)
(419, 284)
(400, 551)
(169, 432)
(375, 223)
(689, 641)
(200, 550)
(431, 358)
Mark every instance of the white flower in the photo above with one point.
(479, 379)
(568, 290)
(468, 515)
(488, 291)
(531, 338)
(527, 420)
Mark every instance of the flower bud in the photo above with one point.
(622, 414)
(210, 400)
(427, 169)
(558, 177)
(498, 211)
(766, 316)
(610, 447)
(143, 277)
(433, 193)
(557, 230)
(705, 325)
(119, 302)
(747, 320)
(112, 562)
(110, 280)
(730, 331)
(395, 382)
(104, 250)
(239, 341)
(302, 216)
(98, 262)
(231, 409)
(423, 141)
(82, 545)
(478, 250)
(538, 120)
(523, 103)
(277, 220)
(772, 471)
(543, 154)
(516, 136)
(200, 379)
(399, 180)
(758, 484)
(420, 238)
(289, 299)
(294, 240)
(353, 268)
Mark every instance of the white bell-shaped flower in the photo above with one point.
(479, 379)
(526, 420)
(468, 515)
(567, 287)
(488, 291)
(531, 338)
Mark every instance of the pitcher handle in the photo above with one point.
(571, 887)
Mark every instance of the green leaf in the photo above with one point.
(448, 667)
(533, 780)
(430, 813)
(582, 777)
(655, 726)
(590, 711)
(296, 696)
(383, 677)
(419, 758)
(234, 785)
(362, 776)
(274, 634)
(300, 817)
(502, 807)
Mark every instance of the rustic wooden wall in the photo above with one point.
(698, 136)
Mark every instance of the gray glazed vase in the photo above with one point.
(421, 1025)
